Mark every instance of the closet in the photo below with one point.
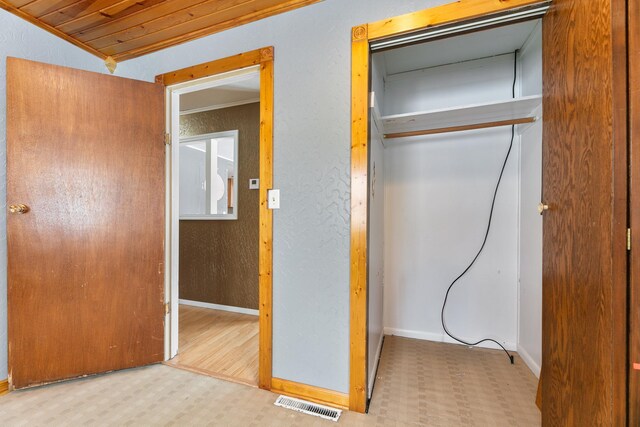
(444, 114)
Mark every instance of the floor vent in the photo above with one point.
(309, 408)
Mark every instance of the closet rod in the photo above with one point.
(461, 128)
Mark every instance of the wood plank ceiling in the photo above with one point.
(125, 29)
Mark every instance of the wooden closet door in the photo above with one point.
(86, 156)
(585, 186)
(634, 127)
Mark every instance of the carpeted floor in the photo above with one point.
(419, 384)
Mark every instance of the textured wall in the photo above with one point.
(311, 168)
(311, 163)
(219, 259)
(23, 40)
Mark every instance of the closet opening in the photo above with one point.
(216, 184)
(453, 214)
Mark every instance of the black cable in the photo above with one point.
(486, 234)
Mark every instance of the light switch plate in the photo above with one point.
(273, 199)
(254, 184)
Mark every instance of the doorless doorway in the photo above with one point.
(238, 67)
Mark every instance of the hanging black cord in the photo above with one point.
(486, 234)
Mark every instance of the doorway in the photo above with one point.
(454, 232)
(584, 256)
(219, 123)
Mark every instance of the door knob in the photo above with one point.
(542, 207)
(18, 209)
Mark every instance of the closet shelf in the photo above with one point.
(468, 117)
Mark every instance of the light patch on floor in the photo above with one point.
(420, 384)
(218, 343)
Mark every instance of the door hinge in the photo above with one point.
(628, 239)
(167, 139)
(167, 308)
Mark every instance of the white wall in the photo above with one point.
(530, 251)
(375, 283)
(311, 167)
(475, 82)
(438, 196)
(22, 40)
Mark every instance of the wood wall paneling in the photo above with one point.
(125, 29)
(219, 258)
(584, 183)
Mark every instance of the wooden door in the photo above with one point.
(634, 127)
(85, 153)
(585, 185)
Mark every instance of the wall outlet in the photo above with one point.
(273, 198)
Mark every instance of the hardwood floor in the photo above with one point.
(218, 343)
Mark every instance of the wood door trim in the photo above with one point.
(218, 66)
(634, 262)
(620, 293)
(263, 57)
(4, 387)
(362, 35)
(309, 392)
(460, 10)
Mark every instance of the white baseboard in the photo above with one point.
(441, 337)
(374, 372)
(528, 360)
(219, 307)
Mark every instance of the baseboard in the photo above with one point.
(219, 307)
(430, 336)
(372, 376)
(311, 393)
(528, 360)
(4, 387)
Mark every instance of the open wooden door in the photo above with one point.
(634, 129)
(85, 179)
(584, 342)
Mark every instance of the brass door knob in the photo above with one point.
(542, 207)
(18, 209)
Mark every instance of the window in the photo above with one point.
(208, 174)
